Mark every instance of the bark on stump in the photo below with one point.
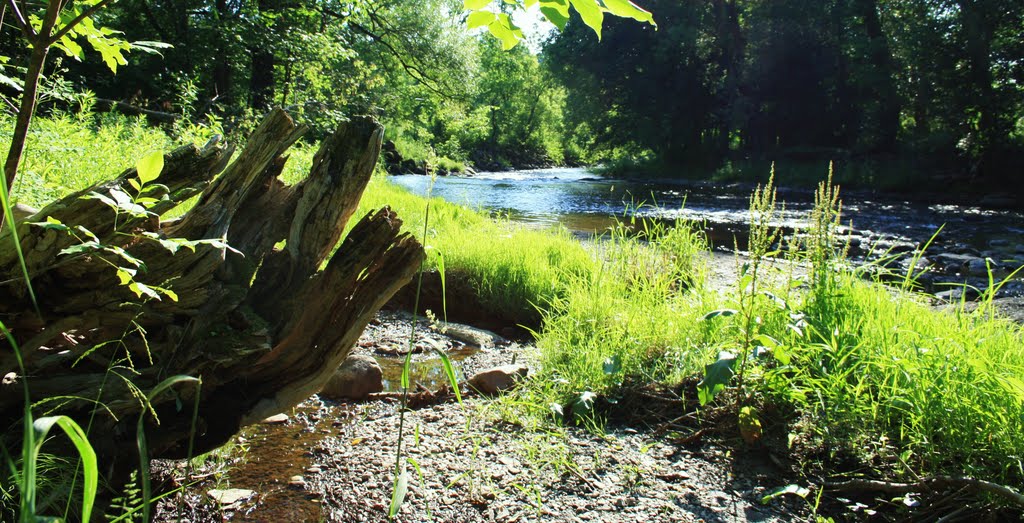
(264, 327)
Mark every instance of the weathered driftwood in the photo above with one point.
(262, 326)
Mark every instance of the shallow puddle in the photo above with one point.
(278, 452)
(426, 370)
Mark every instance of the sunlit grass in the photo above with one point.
(514, 269)
(875, 371)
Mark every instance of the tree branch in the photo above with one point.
(26, 28)
(134, 110)
(77, 20)
(411, 69)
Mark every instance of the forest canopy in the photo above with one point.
(931, 85)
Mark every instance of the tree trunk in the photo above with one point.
(883, 88)
(263, 326)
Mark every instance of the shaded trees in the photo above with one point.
(795, 78)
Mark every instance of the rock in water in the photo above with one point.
(356, 378)
(497, 379)
(276, 418)
(230, 496)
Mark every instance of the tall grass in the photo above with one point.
(514, 269)
(868, 368)
(66, 153)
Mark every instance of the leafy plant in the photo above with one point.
(500, 25)
(58, 26)
(400, 484)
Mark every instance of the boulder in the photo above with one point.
(960, 263)
(497, 379)
(356, 378)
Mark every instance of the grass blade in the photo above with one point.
(8, 217)
(449, 371)
(77, 436)
(140, 435)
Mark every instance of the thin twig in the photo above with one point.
(26, 28)
(930, 485)
(952, 516)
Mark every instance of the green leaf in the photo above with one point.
(405, 368)
(97, 196)
(716, 377)
(612, 365)
(171, 295)
(480, 19)
(449, 371)
(627, 9)
(781, 303)
(51, 223)
(401, 488)
(141, 289)
(125, 204)
(125, 275)
(150, 47)
(583, 406)
(90, 470)
(788, 489)
(149, 166)
(506, 31)
(720, 312)
(70, 48)
(475, 5)
(556, 11)
(591, 14)
(745, 282)
(81, 248)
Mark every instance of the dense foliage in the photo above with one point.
(937, 80)
(926, 85)
(412, 65)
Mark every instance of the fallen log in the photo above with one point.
(261, 306)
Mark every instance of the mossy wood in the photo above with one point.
(264, 327)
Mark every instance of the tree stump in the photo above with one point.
(262, 324)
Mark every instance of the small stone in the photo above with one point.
(497, 379)
(276, 418)
(355, 379)
(297, 481)
(230, 496)
(313, 470)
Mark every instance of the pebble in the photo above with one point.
(230, 496)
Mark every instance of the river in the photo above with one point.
(586, 204)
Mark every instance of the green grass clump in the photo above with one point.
(638, 312)
(514, 269)
(452, 166)
(65, 152)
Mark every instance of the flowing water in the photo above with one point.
(586, 204)
(582, 202)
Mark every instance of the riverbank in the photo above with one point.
(656, 457)
(476, 462)
(908, 178)
(795, 354)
